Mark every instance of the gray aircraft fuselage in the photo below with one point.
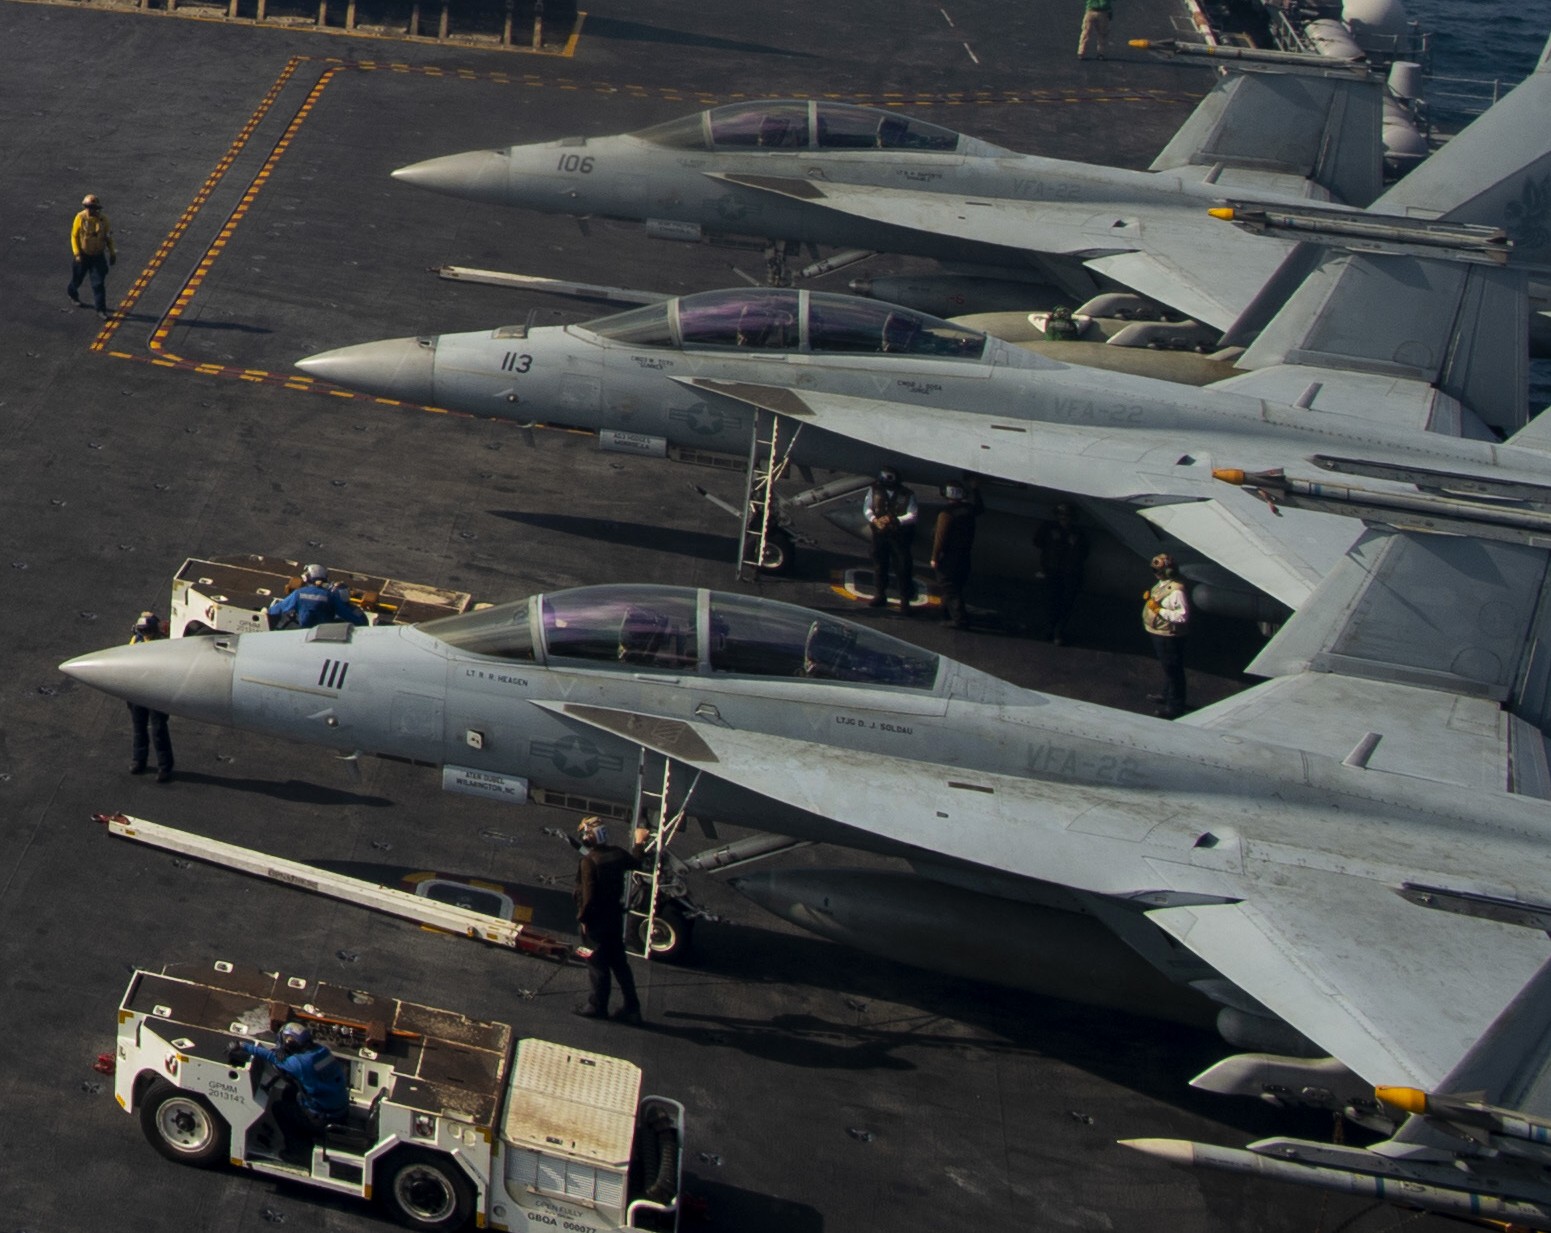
(683, 173)
(1097, 801)
(635, 179)
(1115, 435)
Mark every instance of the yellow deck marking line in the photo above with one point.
(159, 257)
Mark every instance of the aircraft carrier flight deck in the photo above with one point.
(246, 170)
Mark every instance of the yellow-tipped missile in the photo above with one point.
(1359, 232)
(1465, 1112)
(1411, 1099)
(1230, 475)
(1227, 51)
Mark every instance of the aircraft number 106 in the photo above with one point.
(575, 162)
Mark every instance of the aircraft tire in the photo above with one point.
(183, 1126)
(672, 933)
(780, 553)
(426, 1191)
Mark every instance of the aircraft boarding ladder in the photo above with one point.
(645, 885)
(767, 463)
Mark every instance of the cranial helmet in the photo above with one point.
(888, 475)
(315, 573)
(1163, 561)
(592, 831)
(90, 200)
(294, 1037)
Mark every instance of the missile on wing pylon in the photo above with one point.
(1516, 522)
(1372, 233)
(1252, 55)
(1429, 479)
(1471, 1113)
(1433, 1187)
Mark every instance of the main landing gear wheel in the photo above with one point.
(427, 1191)
(671, 934)
(183, 1126)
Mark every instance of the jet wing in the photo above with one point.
(1284, 555)
(1396, 991)
(1155, 250)
(1387, 987)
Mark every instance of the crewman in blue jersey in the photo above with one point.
(320, 1093)
(314, 603)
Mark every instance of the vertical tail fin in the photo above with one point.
(1497, 172)
(1322, 129)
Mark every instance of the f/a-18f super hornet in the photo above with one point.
(1387, 359)
(858, 382)
(1348, 859)
(828, 173)
(783, 171)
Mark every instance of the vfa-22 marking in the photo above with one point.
(515, 361)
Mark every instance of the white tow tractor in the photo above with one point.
(231, 595)
(451, 1120)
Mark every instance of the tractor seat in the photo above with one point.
(357, 1134)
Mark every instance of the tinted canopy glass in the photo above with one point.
(654, 628)
(767, 321)
(784, 124)
(843, 127)
(633, 626)
(753, 637)
(761, 126)
(849, 323)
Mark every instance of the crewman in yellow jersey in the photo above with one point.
(92, 252)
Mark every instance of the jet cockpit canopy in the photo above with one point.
(684, 631)
(797, 124)
(781, 319)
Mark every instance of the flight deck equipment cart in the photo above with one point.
(231, 595)
(450, 1120)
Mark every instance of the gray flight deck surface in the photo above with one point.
(246, 174)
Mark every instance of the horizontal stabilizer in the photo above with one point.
(1536, 435)
(1466, 741)
(1451, 613)
(1461, 328)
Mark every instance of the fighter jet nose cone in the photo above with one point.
(191, 677)
(400, 368)
(479, 174)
